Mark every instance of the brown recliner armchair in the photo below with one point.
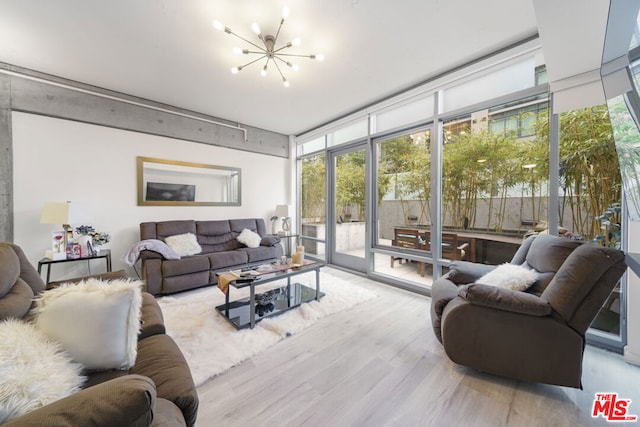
(157, 391)
(534, 335)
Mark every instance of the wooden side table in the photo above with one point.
(103, 254)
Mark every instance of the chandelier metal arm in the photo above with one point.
(279, 71)
(255, 52)
(297, 56)
(288, 64)
(243, 39)
(279, 27)
(286, 46)
(249, 63)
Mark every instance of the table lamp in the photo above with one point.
(58, 213)
(282, 211)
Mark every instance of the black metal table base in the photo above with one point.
(285, 298)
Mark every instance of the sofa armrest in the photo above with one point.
(152, 321)
(442, 292)
(148, 254)
(152, 274)
(160, 359)
(124, 401)
(270, 240)
(464, 272)
(505, 299)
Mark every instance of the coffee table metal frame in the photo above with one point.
(267, 278)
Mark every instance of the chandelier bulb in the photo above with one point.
(218, 25)
(237, 51)
(235, 70)
(318, 57)
(285, 12)
(256, 28)
(285, 82)
(295, 67)
(263, 73)
(296, 41)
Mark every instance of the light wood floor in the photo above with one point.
(379, 364)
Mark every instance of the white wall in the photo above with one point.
(95, 168)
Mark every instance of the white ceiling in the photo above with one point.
(168, 51)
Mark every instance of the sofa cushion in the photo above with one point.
(579, 275)
(215, 236)
(221, 260)
(261, 253)
(184, 244)
(171, 228)
(96, 321)
(546, 254)
(253, 224)
(182, 266)
(34, 370)
(249, 238)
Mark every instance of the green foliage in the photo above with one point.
(610, 224)
(590, 174)
(313, 188)
(481, 167)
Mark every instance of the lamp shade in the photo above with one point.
(56, 213)
(282, 211)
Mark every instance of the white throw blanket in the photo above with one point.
(155, 245)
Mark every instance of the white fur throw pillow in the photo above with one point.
(96, 321)
(184, 244)
(249, 238)
(34, 371)
(510, 276)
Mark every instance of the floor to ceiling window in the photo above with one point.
(485, 176)
(404, 204)
(313, 204)
(495, 171)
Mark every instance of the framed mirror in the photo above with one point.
(175, 183)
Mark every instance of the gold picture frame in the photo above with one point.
(163, 182)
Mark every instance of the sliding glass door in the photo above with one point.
(347, 225)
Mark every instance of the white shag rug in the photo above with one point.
(211, 345)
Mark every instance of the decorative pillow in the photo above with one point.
(510, 276)
(34, 371)
(249, 238)
(184, 244)
(96, 321)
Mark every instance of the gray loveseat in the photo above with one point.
(220, 252)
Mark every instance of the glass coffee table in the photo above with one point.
(246, 312)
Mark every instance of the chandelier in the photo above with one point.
(269, 51)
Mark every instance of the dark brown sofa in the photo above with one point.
(157, 391)
(534, 335)
(220, 252)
